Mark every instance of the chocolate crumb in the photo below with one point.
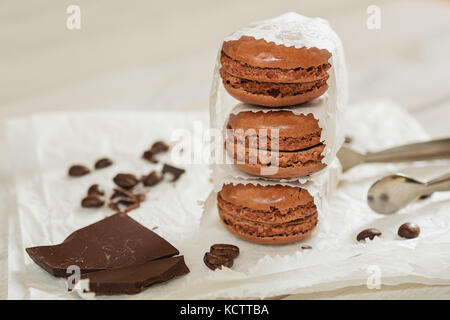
(174, 171)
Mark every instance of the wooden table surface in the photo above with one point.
(135, 54)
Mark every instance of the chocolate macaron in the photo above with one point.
(293, 150)
(264, 73)
(272, 214)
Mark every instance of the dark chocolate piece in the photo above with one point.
(134, 279)
(103, 163)
(78, 170)
(112, 243)
(126, 180)
(174, 171)
(127, 198)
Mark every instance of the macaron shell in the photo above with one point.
(262, 54)
(266, 198)
(271, 214)
(291, 164)
(295, 131)
(259, 93)
(264, 234)
(298, 75)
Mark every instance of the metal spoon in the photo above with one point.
(435, 149)
(394, 192)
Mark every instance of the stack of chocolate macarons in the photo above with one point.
(273, 135)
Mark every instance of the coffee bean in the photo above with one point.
(174, 171)
(148, 155)
(156, 148)
(368, 233)
(227, 250)
(125, 180)
(78, 170)
(92, 201)
(306, 247)
(159, 146)
(151, 179)
(94, 189)
(409, 230)
(103, 163)
(348, 139)
(213, 261)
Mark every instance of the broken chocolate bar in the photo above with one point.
(134, 279)
(112, 243)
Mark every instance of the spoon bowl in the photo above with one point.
(393, 192)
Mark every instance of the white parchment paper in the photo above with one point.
(48, 210)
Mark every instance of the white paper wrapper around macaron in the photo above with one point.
(332, 134)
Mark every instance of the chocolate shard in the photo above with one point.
(174, 171)
(112, 243)
(134, 279)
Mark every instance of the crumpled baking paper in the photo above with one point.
(48, 210)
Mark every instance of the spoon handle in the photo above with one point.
(435, 149)
(441, 183)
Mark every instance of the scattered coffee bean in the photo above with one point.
(174, 171)
(368, 233)
(151, 179)
(306, 247)
(409, 230)
(103, 163)
(92, 201)
(213, 261)
(125, 180)
(78, 170)
(227, 250)
(156, 148)
(155, 227)
(348, 139)
(94, 189)
(148, 155)
(159, 146)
